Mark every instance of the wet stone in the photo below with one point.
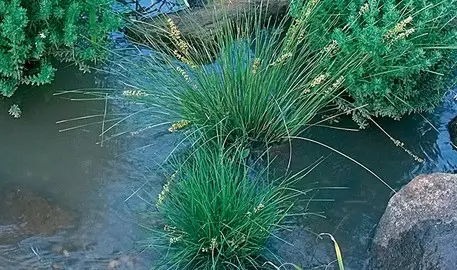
(419, 227)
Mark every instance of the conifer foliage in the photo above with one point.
(33, 32)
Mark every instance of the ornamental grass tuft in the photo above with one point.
(218, 212)
(259, 79)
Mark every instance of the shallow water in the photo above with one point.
(154, 8)
(354, 211)
(63, 195)
(67, 204)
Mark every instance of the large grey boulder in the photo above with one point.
(419, 227)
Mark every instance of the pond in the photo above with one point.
(69, 195)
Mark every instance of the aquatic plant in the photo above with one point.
(217, 211)
(259, 77)
(32, 33)
(411, 45)
(15, 111)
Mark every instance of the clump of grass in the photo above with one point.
(218, 212)
(266, 83)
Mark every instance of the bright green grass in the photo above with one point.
(218, 212)
(265, 85)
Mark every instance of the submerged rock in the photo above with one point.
(419, 227)
(452, 128)
(32, 214)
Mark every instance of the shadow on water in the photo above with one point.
(353, 212)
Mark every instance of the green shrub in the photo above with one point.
(218, 213)
(410, 44)
(265, 84)
(32, 32)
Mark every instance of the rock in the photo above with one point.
(419, 227)
(452, 128)
(199, 26)
(32, 214)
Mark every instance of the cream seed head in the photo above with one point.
(364, 9)
(179, 125)
(282, 59)
(336, 84)
(213, 245)
(175, 239)
(259, 208)
(163, 194)
(134, 93)
(320, 79)
(399, 28)
(255, 65)
(332, 48)
(182, 52)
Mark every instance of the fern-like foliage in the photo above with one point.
(33, 32)
(410, 47)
